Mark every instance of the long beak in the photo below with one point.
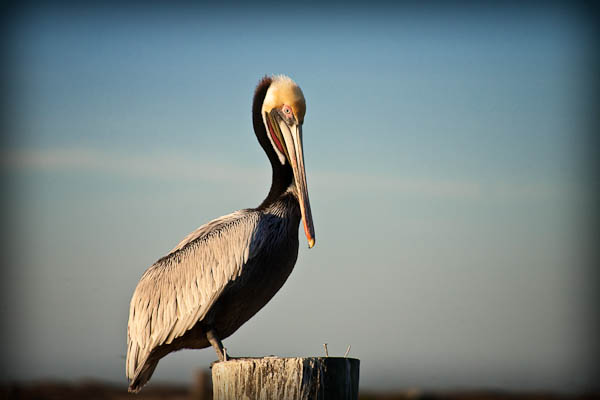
(292, 138)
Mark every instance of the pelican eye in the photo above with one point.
(287, 110)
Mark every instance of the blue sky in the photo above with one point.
(444, 159)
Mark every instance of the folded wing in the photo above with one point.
(180, 288)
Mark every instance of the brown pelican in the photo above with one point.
(224, 272)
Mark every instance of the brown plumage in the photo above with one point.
(220, 275)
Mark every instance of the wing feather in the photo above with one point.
(180, 288)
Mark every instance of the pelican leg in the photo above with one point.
(214, 340)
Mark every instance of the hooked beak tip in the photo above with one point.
(311, 243)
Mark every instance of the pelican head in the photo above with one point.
(282, 112)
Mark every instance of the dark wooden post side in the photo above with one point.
(314, 378)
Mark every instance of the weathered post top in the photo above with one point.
(314, 378)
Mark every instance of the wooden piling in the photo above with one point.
(311, 378)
